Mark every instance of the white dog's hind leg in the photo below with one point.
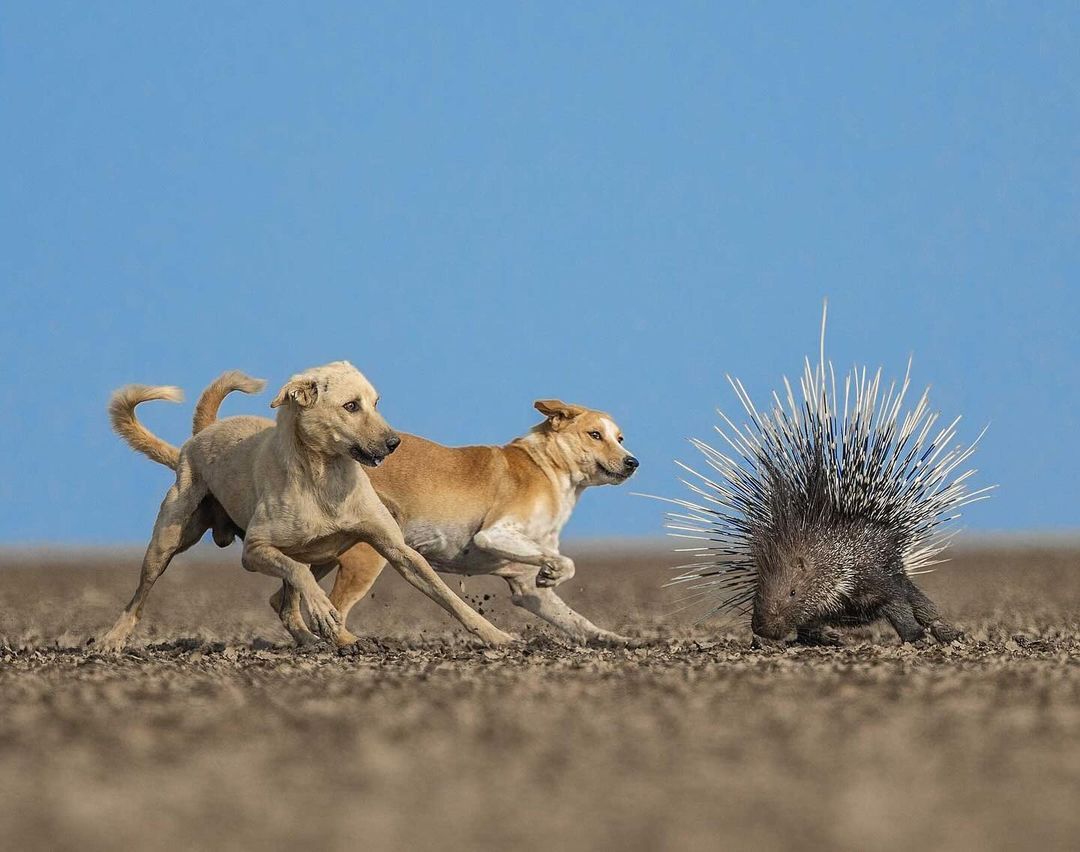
(544, 603)
(179, 525)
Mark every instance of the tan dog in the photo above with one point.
(485, 510)
(294, 485)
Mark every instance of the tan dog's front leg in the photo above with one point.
(544, 603)
(360, 568)
(267, 559)
(506, 540)
(418, 573)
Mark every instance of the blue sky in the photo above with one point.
(482, 204)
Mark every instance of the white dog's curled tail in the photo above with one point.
(127, 426)
(206, 410)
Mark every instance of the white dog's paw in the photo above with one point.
(555, 570)
(325, 619)
(497, 638)
(304, 638)
(607, 639)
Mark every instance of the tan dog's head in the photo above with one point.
(590, 441)
(334, 411)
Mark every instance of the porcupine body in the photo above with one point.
(820, 509)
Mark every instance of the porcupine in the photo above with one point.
(820, 516)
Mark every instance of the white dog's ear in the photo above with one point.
(301, 390)
(558, 412)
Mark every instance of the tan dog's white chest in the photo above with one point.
(449, 547)
(453, 548)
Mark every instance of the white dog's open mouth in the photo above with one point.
(365, 458)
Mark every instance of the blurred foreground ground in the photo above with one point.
(213, 733)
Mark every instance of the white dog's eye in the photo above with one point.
(352, 406)
(595, 436)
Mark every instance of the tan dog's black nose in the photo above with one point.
(392, 443)
(631, 463)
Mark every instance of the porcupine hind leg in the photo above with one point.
(818, 635)
(926, 613)
(901, 615)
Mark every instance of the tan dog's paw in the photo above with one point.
(555, 570)
(345, 638)
(114, 641)
(109, 644)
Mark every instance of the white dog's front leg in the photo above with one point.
(506, 540)
(267, 559)
(286, 603)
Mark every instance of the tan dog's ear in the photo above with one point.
(557, 411)
(301, 390)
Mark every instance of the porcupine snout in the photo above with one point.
(770, 620)
(784, 578)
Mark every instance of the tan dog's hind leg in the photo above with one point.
(544, 603)
(179, 525)
(360, 567)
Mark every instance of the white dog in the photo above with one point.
(295, 487)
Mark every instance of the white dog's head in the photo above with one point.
(334, 411)
(589, 440)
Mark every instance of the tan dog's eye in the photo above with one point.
(595, 436)
(352, 406)
(620, 439)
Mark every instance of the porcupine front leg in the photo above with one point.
(926, 613)
(901, 616)
(818, 636)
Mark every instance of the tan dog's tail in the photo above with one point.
(122, 414)
(206, 410)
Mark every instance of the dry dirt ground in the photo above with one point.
(213, 733)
